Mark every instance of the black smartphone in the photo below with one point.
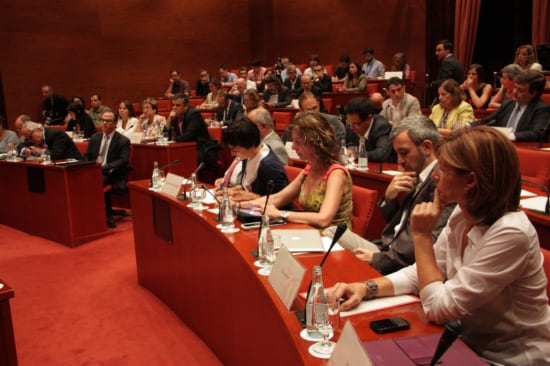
(389, 325)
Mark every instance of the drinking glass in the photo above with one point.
(162, 177)
(197, 195)
(46, 158)
(322, 320)
(229, 214)
(269, 253)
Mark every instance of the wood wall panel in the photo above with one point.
(125, 48)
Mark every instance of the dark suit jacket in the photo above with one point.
(194, 129)
(294, 93)
(235, 111)
(60, 145)
(532, 124)
(397, 249)
(283, 97)
(379, 147)
(115, 171)
(325, 84)
(84, 123)
(450, 69)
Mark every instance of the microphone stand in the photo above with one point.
(450, 332)
(199, 167)
(269, 189)
(219, 219)
(543, 188)
(340, 229)
(544, 132)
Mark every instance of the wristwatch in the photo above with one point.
(284, 215)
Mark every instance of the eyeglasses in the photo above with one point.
(107, 120)
(355, 124)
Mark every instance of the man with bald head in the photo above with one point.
(19, 121)
(262, 118)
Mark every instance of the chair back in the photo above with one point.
(281, 120)
(327, 102)
(534, 165)
(546, 266)
(292, 172)
(364, 201)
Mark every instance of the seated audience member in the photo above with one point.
(211, 100)
(356, 81)
(57, 142)
(372, 67)
(275, 94)
(486, 267)
(309, 103)
(372, 129)
(314, 60)
(262, 118)
(321, 79)
(256, 73)
(202, 87)
(252, 100)
(478, 93)
(97, 109)
(254, 165)
(54, 106)
(376, 101)
(176, 85)
(400, 103)
(188, 125)
(307, 86)
(243, 73)
(400, 64)
(452, 110)
(151, 123)
(112, 150)
(323, 188)
(227, 79)
(78, 99)
(269, 74)
(283, 67)
(79, 121)
(8, 139)
(238, 90)
(342, 68)
(526, 58)
(228, 110)
(127, 122)
(414, 139)
(506, 92)
(527, 115)
(293, 82)
(19, 121)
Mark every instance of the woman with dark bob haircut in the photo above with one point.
(485, 269)
(254, 165)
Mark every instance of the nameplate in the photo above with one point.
(286, 276)
(349, 349)
(172, 184)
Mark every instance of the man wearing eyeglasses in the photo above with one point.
(364, 125)
(321, 79)
(112, 150)
(400, 103)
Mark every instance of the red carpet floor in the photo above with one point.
(83, 306)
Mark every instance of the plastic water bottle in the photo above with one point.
(155, 177)
(228, 219)
(316, 295)
(265, 236)
(363, 163)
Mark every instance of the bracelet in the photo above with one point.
(372, 288)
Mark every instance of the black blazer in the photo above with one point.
(235, 111)
(283, 97)
(379, 147)
(532, 125)
(450, 69)
(115, 171)
(294, 92)
(60, 145)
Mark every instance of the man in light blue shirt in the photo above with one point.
(372, 67)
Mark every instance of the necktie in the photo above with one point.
(103, 150)
(513, 120)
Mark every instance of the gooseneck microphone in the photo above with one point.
(450, 332)
(543, 188)
(340, 229)
(172, 163)
(199, 167)
(544, 133)
(219, 219)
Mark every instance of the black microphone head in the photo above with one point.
(451, 331)
(270, 185)
(454, 326)
(339, 231)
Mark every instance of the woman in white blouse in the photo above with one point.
(127, 122)
(486, 267)
(150, 123)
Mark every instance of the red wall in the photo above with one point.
(124, 49)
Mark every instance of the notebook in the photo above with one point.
(301, 240)
(391, 74)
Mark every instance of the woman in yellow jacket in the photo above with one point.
(452, 110)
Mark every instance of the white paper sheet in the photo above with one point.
(380, 303)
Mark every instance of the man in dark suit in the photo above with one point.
(55, 141)
(188, 125)
(414, 139)
(450, 66)
(528, 116)
(112, 150)
(293, 82)
(372, 129)
(228, 110)
(275, 94)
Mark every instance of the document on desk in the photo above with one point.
(537, 203)
(525, 193)
(392, 172)
(380, 303)
(286, 276)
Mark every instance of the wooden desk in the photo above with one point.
(209, 280)
(8, 355)
(341, 99)
(62, 204)
(143, 157)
